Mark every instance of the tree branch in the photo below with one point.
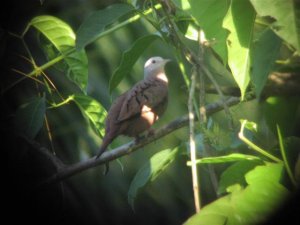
(278, 84)
(66, 171)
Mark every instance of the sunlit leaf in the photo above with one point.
(150, 171)
(61, 35)
(129, 57)
(265, 52)
(92, 110)
(95, 24)
(286, 14)
(273, 170)
(210, 15)
(239, 21)
(251, 205)
(29, 117)
(235, 174)
(192, 32)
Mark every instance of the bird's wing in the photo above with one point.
(144, 96)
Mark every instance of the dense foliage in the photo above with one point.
(64, 67)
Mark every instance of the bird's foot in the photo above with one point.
(137, 139)
(150, 132)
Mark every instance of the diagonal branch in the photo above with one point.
(65, 171)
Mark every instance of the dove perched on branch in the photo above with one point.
(136, 110)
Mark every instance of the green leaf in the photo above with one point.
(240, 21)
(286, 14)
(150, 171)
(129, 57)
(265, 52)
(61, 35)
(225, 159)
(271, 172)
(78, 69)
(251, 205)
(235, 174)
(191, 32)
(220, 71)
(56, 31)
(215, 213)
(95, 24)
(93, 111)
(30, 117)
(210, 15)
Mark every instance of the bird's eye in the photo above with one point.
(153, 61)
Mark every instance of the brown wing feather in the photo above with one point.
(143, 97)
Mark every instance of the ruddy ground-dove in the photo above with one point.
(136, 110)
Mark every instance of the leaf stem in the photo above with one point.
(255, 147)
(52, 62)
(285, 161)
(70, 98)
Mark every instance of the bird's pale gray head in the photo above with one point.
(154, 66)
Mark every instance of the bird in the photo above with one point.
(136, 110)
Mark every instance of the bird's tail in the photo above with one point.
(106, 141)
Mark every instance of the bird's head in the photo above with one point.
(154, 66)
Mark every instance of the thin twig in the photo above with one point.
(202, 110)
(202, 80)
(219, 91)
(195, 181)
(49, 134)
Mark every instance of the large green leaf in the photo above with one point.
(265, 52)
(210, 15)
(251, 205)
(235, 175)
(30, 117)
(271, 172)
(240, 21)
(95, 24)
(215, 213)
(61, 35)
(286, 14)
(220, 71)
(150, 171)
(129, 58)
(92, 110)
